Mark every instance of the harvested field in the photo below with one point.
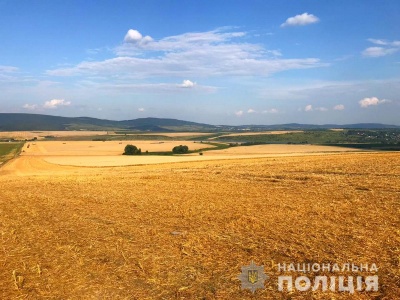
(40, 135)
(183, 231)
(22, 135)
(273, 149)
(178, 134)
(110, 161)
(88, 148)
(262, 132)
(100, 154)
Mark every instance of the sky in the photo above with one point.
(209, 61)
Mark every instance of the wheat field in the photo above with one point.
(92, 148)
(245, 133)
(183, 230)
(40, 135)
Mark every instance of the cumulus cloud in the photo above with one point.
(339, 107)
(141, 109)
(56, 103)
(308, 108)
(384, 48)
(239, 113)
(135, 37)
(270, 111)
(301, 20)
(251, 111)
(30, 106)
(187, 84)
(371, 101)
(132, 36)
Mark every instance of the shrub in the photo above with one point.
(181, 149)
(132, 150)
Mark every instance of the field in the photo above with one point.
(93, 148)
(9, 150)
(101, 154)
(183, 230)
(262, 133)
(40, 135)
(90, 134)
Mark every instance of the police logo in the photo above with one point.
(252, 277)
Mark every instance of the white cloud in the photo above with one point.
(187, 84)
(145, 87)
(339, 107)
(372, 101)
(385, 48)
(385, 42)
(141, 109)
(251, 111)
(378, 51)
(132, 36)
(55, 103)
(30, 106)
(239, 113)
(378, 42)
(135, 37)
(301, 20)
(270, 111)
(204, 54)
(308, 108)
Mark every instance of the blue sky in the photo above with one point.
(217, 62)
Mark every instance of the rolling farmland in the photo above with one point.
(183, 230)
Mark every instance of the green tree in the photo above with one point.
(181, 149)
(132, 150)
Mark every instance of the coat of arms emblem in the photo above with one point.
(252, 277)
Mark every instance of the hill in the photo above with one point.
(32, 122)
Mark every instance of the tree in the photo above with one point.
(181, 149)
(132, 150)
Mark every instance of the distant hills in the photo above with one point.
(32, 122)
(37, 122)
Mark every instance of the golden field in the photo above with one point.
(247, 133)
(40, 135)
(101, 154)
(184, 230)
(281, 149)
(93, 148)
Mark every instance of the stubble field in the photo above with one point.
(41, 135)
(184, 230)
(102, 154)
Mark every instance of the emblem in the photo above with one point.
(252, 277)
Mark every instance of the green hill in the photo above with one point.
(32, 122)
